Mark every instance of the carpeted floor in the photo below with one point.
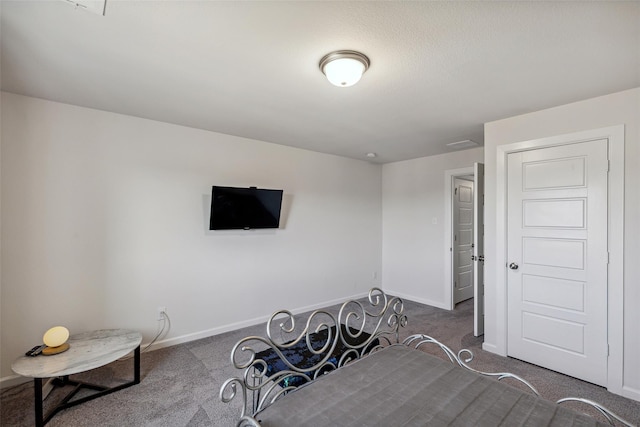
(180, 385)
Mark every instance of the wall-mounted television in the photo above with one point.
(234, 208)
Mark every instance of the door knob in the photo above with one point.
(513, 266)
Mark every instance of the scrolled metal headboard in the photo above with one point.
(293, 353)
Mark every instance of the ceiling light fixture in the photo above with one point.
(344, 68)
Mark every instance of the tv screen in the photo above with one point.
(235, 208)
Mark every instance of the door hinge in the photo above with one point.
(455, 191)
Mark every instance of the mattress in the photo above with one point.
(402, 386)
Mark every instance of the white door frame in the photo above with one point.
(448, 231)
(615, 226)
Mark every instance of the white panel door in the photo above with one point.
(478, 250)
(462, 240)
(557, 258)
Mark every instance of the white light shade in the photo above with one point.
(344, 68)
(56, 336)
(344, 72)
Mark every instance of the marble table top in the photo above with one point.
(88, 350)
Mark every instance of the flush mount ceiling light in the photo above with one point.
(344, 68)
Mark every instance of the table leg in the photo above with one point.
(136, 365)
(37, 392)
(41, 420)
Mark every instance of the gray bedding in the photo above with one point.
(401, 386)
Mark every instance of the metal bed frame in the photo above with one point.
(360, 328)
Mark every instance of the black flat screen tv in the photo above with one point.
(234, 208)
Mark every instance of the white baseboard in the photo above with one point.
(631, 393)
(169, 342)
(12, 381)
(243, 324)
(491, 348)
(437, 304)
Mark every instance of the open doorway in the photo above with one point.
(464, 240)
(462, 229)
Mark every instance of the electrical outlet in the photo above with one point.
(161, 311)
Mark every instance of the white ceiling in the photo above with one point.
(439, 70)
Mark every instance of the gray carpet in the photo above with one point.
(180, 384)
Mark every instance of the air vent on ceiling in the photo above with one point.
(95, 6)
(459, 145)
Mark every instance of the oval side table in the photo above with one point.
(88, 350)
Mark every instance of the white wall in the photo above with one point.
(615, 109)
(413, 255)
(105, 218)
